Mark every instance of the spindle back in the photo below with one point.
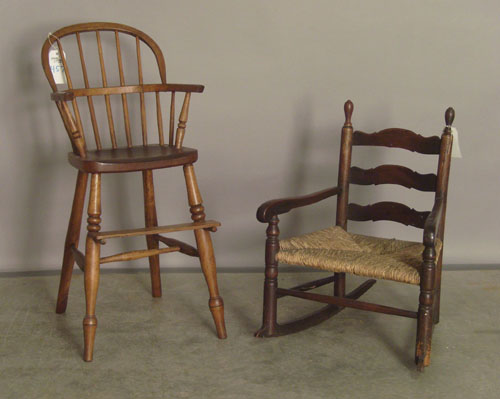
(107, 64)
(392, 174)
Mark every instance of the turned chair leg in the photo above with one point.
(425, 310)
(206, 251)
(151, 221)
(269, 315)
(72, 238)
(339, 285)
(92, 255)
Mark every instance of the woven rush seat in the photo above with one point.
(334, 249)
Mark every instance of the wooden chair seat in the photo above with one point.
(334, 249)
(132, 159)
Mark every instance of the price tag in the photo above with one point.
(455, 148)
(57, 66)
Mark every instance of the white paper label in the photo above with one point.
(455, 149)
(56, 66)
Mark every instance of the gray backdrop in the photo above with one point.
(277, 74)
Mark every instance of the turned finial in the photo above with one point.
(449, 116)
(348, 108)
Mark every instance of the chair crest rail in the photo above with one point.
(399, 138)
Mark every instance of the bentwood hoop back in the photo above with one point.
(117, 104)
(336, 250)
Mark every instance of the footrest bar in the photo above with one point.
(103, 235)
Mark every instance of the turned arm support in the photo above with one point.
(432, 223)
(277, 207)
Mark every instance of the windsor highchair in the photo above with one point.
(334, 249)
(136, 153)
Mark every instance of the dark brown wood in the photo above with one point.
(442, 192)
(183, 247)
(387, 210)
(311, 285)
(399, 138)
(343, 183)
(316, 317)
(426, 301)
(133, 159)
(283, 205)
(118, 158)
(72, 238)
(151, 220)
(432, 222)
(348, 303)
(393, 174)
(269, 315)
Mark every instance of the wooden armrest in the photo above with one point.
(183, 87)
(432, 223)
(283, 205)
(62, 96)
(70, 94)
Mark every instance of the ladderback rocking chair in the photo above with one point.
(125, 153)
(334, 249)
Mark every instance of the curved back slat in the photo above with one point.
(399, 138)
(392, 211)
(393, 174)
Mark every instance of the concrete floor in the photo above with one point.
(166, 348)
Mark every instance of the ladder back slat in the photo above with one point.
(90, 102)
(399, 138)
(126, 118)
(172, 120)
(159, 118)
(106, 97)
(392, 211)
(143, 105)
(393, 174)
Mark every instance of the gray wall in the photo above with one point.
(277, 74)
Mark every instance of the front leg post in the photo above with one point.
(92, 255)
(269, 319)
(426, 299)
(206, 251)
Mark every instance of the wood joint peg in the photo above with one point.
(97, 240)
(213, 229)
